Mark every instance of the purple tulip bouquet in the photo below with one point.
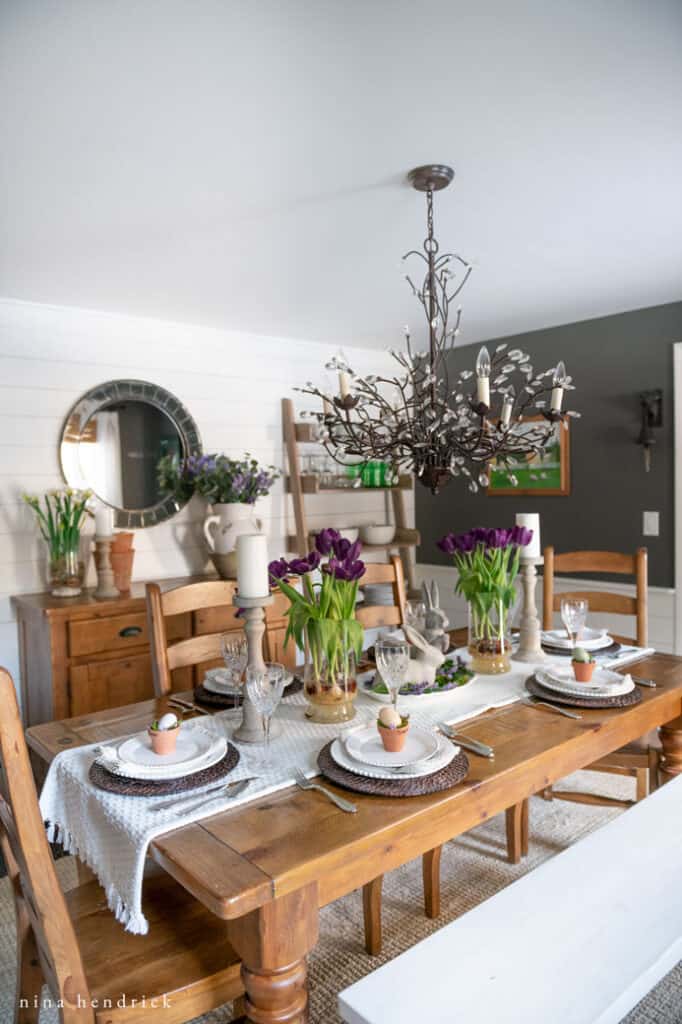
(321, 619)
(487, 562)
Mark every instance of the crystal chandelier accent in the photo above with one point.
(427, 419)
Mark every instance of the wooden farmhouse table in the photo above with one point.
(267, 867)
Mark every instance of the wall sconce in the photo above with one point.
(651, 404)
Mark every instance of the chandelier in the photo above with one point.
(426, 419)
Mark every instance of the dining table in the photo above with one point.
(267, 866)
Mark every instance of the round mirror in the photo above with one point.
(112, 442)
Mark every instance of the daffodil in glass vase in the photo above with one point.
(60, 517)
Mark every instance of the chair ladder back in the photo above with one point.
(44, 928)
(607, 602)
(392, 572)
(194, 597)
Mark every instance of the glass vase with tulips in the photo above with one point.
(60, 517)
(487, 562)
(321, 619)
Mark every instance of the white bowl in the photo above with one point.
(377, 534)
(349, 533)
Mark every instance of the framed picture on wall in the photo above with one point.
(546, 474)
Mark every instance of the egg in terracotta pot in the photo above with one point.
(167, 721)
(390, 718)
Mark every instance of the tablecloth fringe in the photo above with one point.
(136, 924)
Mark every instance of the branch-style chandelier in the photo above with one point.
(423, 421)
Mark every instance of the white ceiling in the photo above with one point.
(242, 164)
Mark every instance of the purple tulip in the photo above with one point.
(279, 569)
(325, 540)
(300, 566)
(521, 535)
(346, 569)
(447, 544)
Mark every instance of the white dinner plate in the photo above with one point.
(604, 683)
(441, 759)
(364, 745)
(589, 639)
(195, 750)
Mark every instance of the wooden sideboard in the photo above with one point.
(80, 655)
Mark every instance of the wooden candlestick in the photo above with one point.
(105, 574)
(251, 729)
(530, 647)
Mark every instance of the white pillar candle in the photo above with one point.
(252, 565)
(531, 521)
(104, 521)
(344, 383)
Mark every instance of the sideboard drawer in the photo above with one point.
(92, 636)
(110, 684)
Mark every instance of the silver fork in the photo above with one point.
(303, 783)
(532, 703)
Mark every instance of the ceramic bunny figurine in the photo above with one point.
(436, 621)
(428, 659)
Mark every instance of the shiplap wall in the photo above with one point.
(231, 382)
(661, 604)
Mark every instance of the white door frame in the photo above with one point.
(677, 494)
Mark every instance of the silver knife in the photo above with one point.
(643, 682)
(464, 741)
(230, 789)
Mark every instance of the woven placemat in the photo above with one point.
(103, 779)
(446, 778)
(609, 651)
(625, 700)
(219, 700)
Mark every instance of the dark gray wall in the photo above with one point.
(611, 360)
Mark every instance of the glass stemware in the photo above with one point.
(235, 654)
(573, 616)
(393, 662)
(264, 688)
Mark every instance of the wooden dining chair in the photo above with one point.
(200, 649)
(72, 942)
(378, 616)
(638, 760)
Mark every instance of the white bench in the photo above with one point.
(581, 939)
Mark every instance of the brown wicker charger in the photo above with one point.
(625, 700)
(446, 778)
(100, 777)
(221, 701)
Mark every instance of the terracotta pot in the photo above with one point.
(582, 670)
(122, 565)
(393, 739)
(164, 740)
(122, 541)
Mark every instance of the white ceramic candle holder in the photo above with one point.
(251, 730)
(530, 645)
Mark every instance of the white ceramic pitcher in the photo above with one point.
(221, 529)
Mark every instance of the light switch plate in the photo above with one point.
(650, 524)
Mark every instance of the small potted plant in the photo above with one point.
(583, 665)
(393, 728)
(163, 733)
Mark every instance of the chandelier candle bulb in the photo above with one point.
(483, 377)
(344, 384)
(507, 406)
(558, 387)
(531, 521)
(252, 566)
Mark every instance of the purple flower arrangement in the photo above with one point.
(217, 478)
(321, 616)
(487, 562)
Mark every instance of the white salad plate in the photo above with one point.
(441, 759)
(195, 750)
(589, 639)
(604, 683)
(364, 745)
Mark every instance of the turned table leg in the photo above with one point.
(431, 876)
(273, 943)
(671, 741)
